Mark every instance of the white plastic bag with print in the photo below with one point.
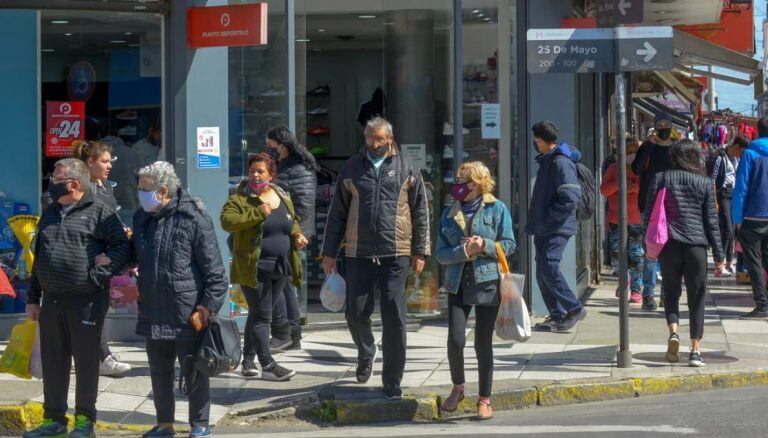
(513, 322)
(35, 363)
(334, 292)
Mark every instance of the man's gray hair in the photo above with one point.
(76, 170)
(379, 124)
(162, 174)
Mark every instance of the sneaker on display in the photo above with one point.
(320, 91)
(448, 129)
(126, 115)
(318, 111)
(112, 367)
(271, 92)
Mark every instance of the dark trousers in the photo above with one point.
(683, 261)
(162, 357)
(754, 244)
(364, 277)
(485, 318)
(726, 225)
(260, 306)
(286, 317)
(104, 346)
(70, 326)
(558, 296)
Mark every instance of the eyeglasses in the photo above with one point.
(53, 180)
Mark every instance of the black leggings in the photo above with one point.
(726, 226)
(260, 305)
(485, 318)
(678, 261)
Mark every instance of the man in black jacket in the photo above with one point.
(380, 211)
(652, 158)
(67, 276)
(724, 177)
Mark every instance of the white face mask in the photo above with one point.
(149, 201)
(630, 158)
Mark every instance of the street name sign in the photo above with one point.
(611, 13)
(600, 50)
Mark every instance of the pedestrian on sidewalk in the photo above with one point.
(296, 174)
(380, 211)
(724, 178)
(635, 252)
(98, 159)
(466, 246)
(652, 158)
(750, 214)
(552, 222)
(691, 213)
(71, 280)
(180, 273)
(265, 257)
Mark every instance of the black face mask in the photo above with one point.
(664, 133)
(57, 190)
(380, 152)
(273, 153)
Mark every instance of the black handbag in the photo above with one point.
(218, 352)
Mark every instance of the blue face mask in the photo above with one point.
(149, 201)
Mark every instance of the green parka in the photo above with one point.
(243, 218)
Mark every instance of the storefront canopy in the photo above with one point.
(691, 51)
(654, 108)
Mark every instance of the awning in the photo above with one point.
(691, 51)
(677, 87)
(654, 108)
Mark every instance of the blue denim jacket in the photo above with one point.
(492, 222)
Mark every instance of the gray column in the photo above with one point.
(196, 95)
(409, 66)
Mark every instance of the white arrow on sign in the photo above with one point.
(623, 6)
(649, 52)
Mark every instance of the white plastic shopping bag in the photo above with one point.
(513, 322)
(334, 292)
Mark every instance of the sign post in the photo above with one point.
(615, 50)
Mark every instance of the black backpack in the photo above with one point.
(218, 352)
(588, 201)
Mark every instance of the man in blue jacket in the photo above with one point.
(552, 222)
(750, 214)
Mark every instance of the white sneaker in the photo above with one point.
(112, 367)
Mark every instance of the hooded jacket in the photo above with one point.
(556, 193)
(378, 214)
(180, 267)
(750, 195)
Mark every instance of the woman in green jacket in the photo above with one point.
(265, 257)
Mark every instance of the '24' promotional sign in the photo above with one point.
(65, 123)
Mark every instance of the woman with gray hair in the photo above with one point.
(180, 274)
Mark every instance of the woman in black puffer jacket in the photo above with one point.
(691, 212)
(296, 174)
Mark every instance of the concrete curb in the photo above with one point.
(17, 419)
(426, 407)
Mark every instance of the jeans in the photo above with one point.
(70, 326)
(260, 307)
(162, 357)
(683, 261)
(557, 294)
(364, 277)
(726, 226)
(754, 244)
(635, 254)
(485, 319)
(650, 269)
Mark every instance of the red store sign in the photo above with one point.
(227, 26)
(64, 123)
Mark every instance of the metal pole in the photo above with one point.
(624, 356)
(458, 87)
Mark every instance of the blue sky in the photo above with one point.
(740, 98)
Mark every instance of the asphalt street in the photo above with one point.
(724, 413)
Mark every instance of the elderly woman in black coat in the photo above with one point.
(180, 273)
(296, 174)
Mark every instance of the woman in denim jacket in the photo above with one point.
(466, 246)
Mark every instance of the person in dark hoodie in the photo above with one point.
(750, 214)
(652, 158)
(552, 222)
(67, 294)
(296, 174)
(181, 276)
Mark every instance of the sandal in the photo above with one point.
(452, 402)
(484, 410)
